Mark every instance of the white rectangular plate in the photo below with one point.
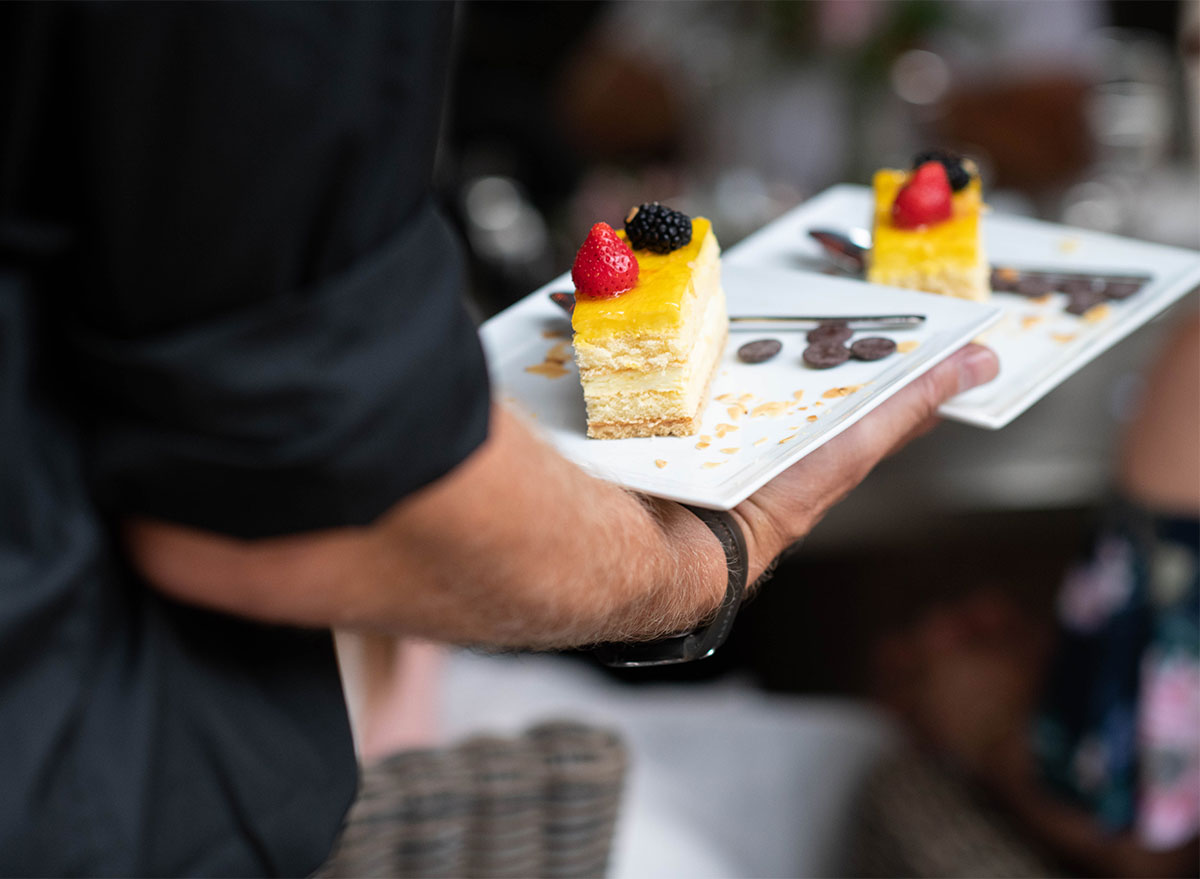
(1039, 345)
(788, 408)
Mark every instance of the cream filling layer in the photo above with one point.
(668, 392)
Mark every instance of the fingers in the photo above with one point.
(913, 410)
(788, 506)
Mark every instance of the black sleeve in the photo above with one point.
(266, 327)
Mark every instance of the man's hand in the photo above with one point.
(518, 547)
(789, 506)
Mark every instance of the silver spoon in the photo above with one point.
(847, 251)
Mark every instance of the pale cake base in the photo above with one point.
(961, 282)
(688, 426)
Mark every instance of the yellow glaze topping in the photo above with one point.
(654, 305)
(927, 248)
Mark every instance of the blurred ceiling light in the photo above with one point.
(493, 202)
(502, 225)
(920, 77)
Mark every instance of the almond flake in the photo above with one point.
(786, 438)
(840, 392)
(907, 345)
(729, 451)
(660, 463)
(548, 368)
(811, 418)
(708, 465)
(774, 408)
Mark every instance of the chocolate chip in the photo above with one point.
(872, 348)
(832, 333)
(759, 350)
(823, 355)
(1120, 289)
(1035, 285)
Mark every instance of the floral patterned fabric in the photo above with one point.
(1119, 729)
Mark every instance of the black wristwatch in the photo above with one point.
(702, 642)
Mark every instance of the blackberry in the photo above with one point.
(658, 228)
(958, 169)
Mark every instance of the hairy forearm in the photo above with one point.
(550, 555)
(516, 547)
(519, 547)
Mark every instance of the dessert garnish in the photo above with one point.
(830, 332)
(924, 199)
(872, 348)
(827, 346)
(759, 351)
(1084, 292)
(657, 228)
(823, 355)
(958, 169)
(605, 266)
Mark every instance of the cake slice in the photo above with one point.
(944, 255)
(647, 356)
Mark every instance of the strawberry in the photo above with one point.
(605, 266)
(924, 199)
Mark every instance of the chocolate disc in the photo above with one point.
(1078, 303)
(759, 350)
(824, 355)
(1034, 285)
(1121, 289)
(872, 348)
(833, 333)
(1077, 286)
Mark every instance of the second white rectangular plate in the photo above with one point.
(763, 417)
(1039, 344)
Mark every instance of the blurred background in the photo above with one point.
(1083, 112)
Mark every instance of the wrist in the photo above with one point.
(764, 541)
(701, 639)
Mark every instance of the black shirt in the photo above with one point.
(226, 300)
